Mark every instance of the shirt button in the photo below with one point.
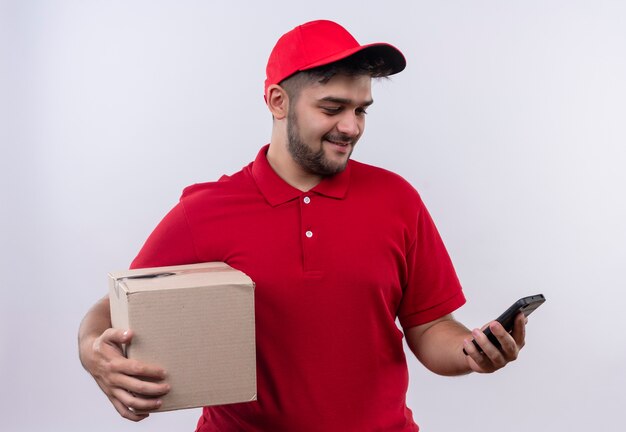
(309, 234)
(307, 200)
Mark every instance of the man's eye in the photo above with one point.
(361, 111)
(332, 110)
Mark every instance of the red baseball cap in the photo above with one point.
(319, 43)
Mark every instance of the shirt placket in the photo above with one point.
(309, 230)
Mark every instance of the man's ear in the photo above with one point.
(277, 101)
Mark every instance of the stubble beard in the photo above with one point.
(313, 162)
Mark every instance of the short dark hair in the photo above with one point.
(358, 64)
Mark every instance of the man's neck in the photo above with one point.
(288, 170)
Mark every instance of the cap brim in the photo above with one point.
(388, 53)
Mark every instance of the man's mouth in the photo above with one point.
(339, 142)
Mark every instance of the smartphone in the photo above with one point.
(525, 305)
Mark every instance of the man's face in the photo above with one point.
(326, 121)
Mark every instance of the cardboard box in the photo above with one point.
(197, 322)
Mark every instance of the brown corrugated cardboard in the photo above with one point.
(197, 322)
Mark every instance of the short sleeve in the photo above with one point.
(170, 243)
(433, 288)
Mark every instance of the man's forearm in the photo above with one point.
(95, 322)
(440, 346)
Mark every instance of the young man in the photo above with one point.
(338, 250)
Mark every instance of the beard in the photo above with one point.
(312, 161)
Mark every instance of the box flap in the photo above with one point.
(173, 277)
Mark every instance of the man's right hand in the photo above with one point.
(129, 384)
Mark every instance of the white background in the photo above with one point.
(510, 119)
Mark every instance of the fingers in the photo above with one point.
(493, 358)
(138, 386)
(129, 384)
(477, 361)
(511, 343)
(508, 348)
(519, 330)
(125, 412)
(111, 360)
(129, 393)
(137, 369)
(135, 402)
(134, 383)
(490, 359)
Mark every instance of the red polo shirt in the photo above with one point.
(334, 267)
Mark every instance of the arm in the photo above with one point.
(129, 384)
(439, 346)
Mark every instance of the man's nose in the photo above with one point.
(350, 124)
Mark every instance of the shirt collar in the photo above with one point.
(276, 191)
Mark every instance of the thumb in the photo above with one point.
(117, 336)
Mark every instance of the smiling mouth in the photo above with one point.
(340, 144)
(338, 141)
(340, 148)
